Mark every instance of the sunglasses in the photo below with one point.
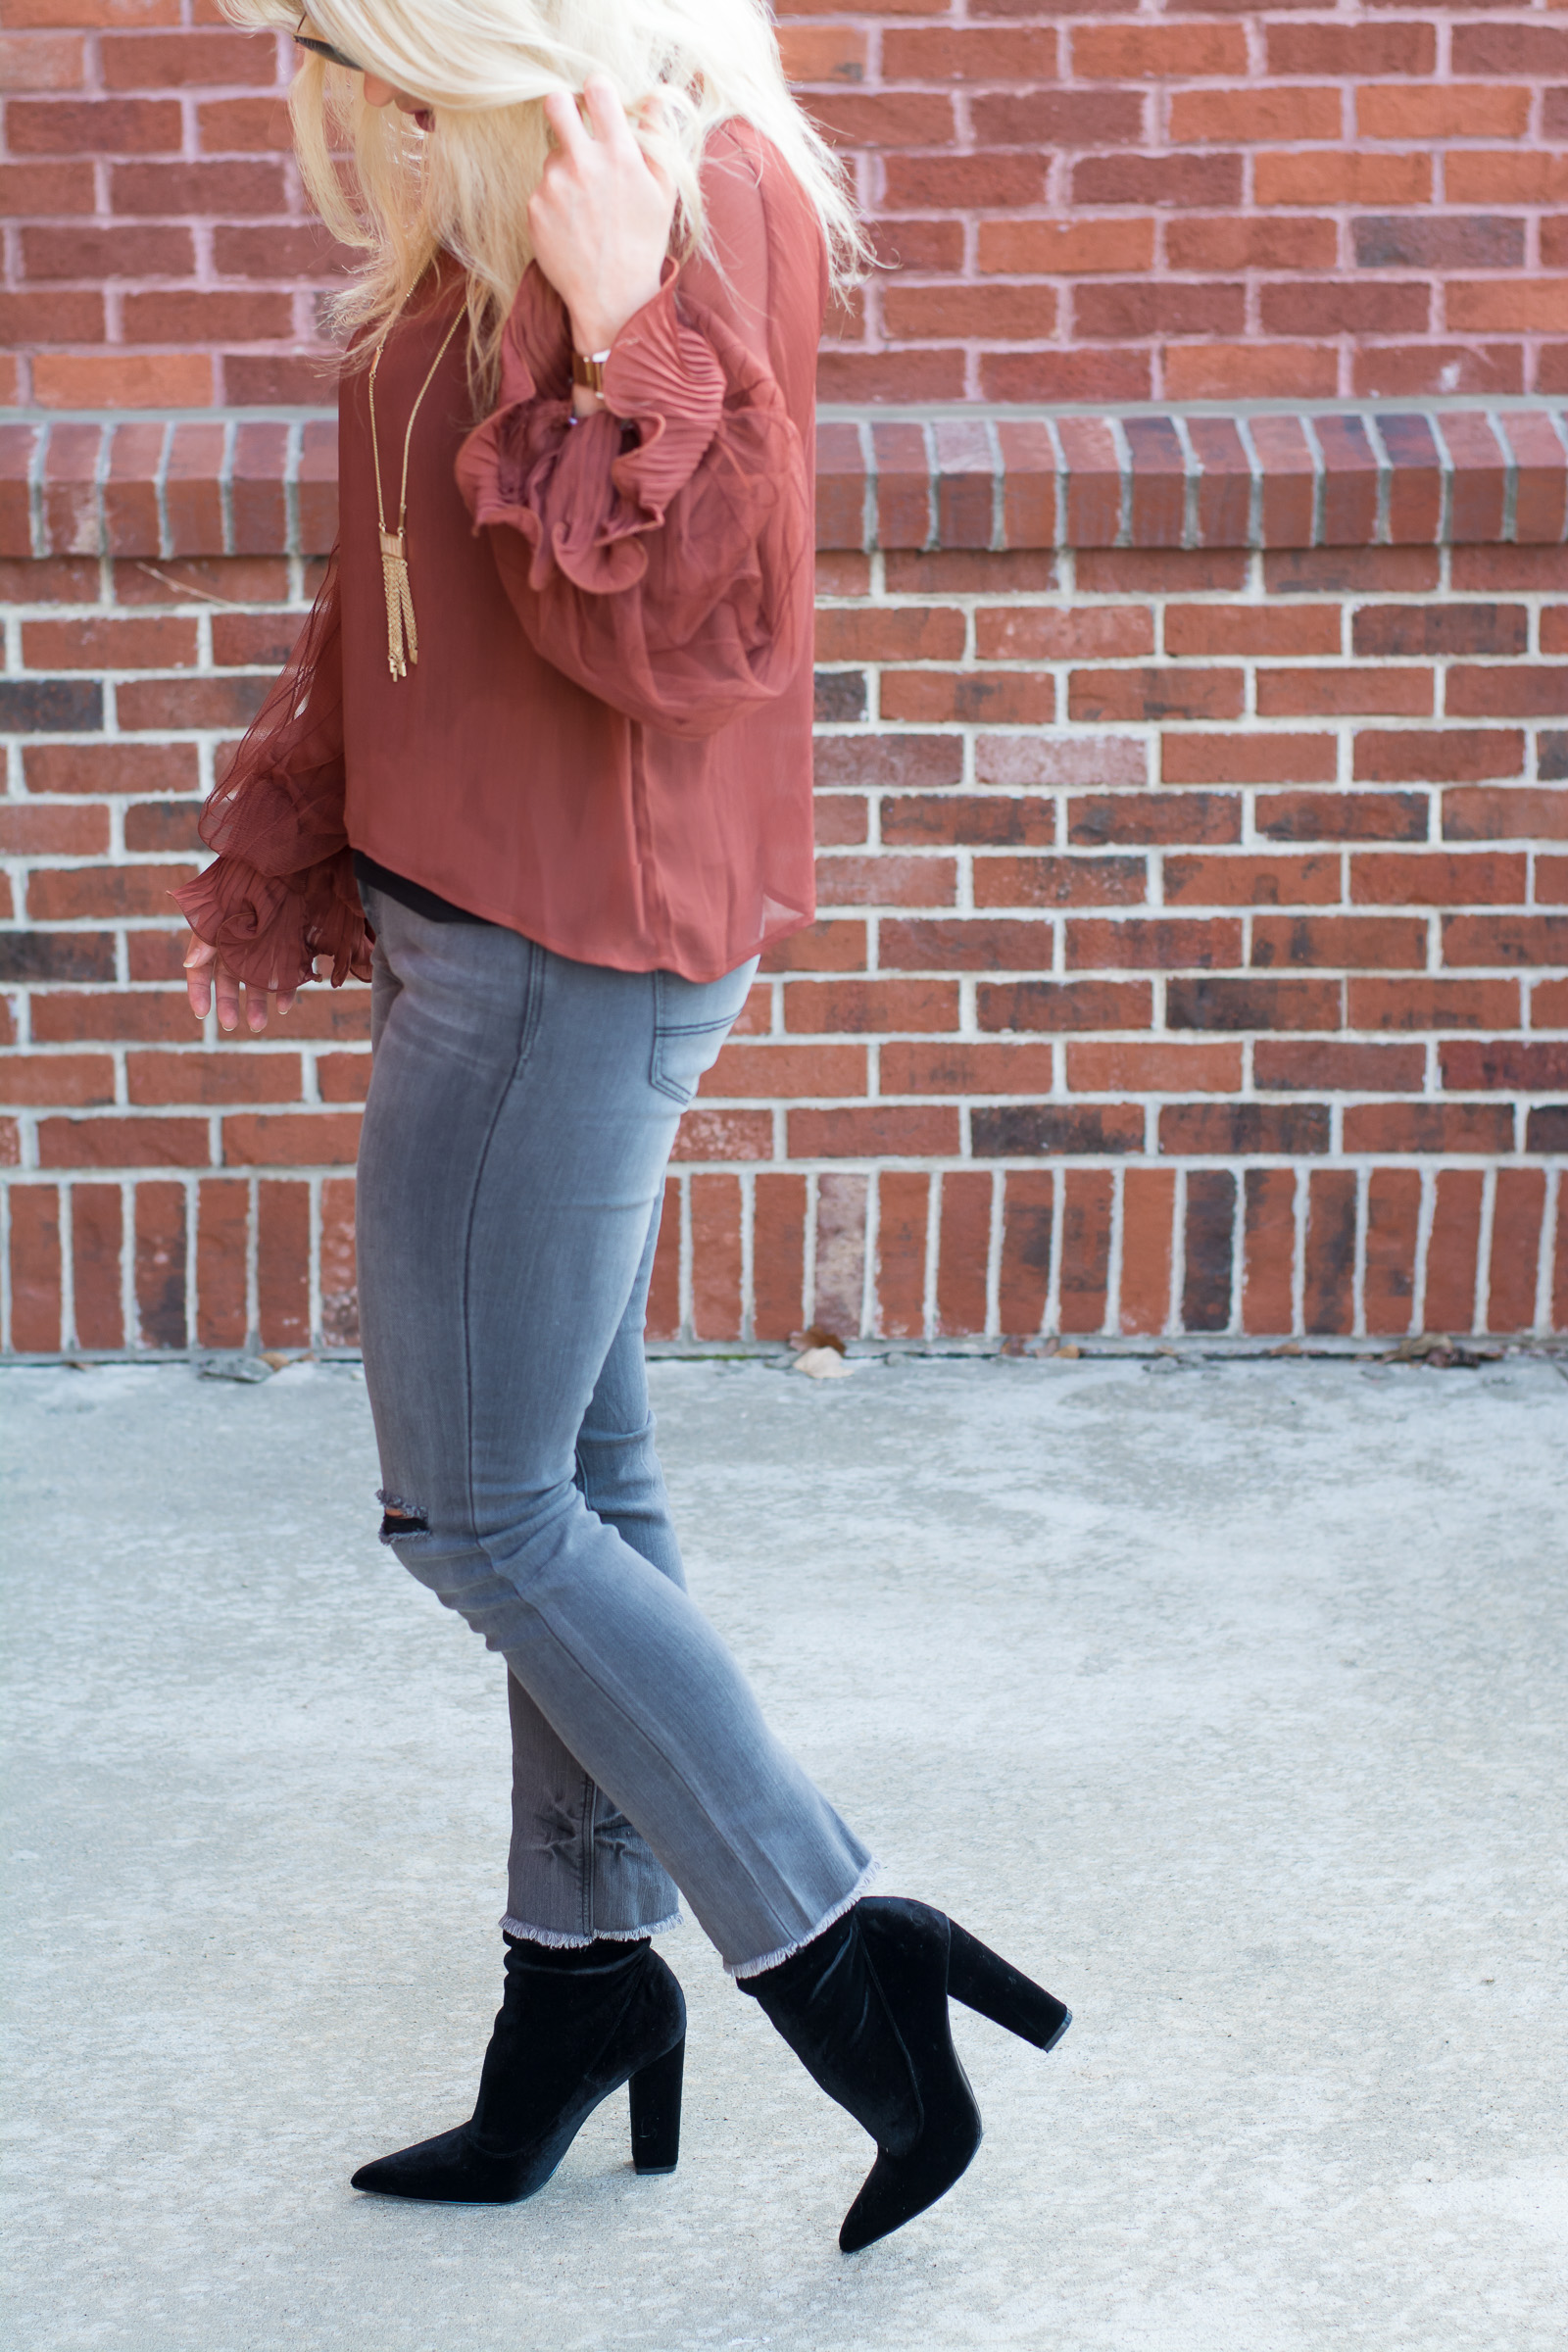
(333, 57)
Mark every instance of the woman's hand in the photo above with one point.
(207, 975)
(599, 217)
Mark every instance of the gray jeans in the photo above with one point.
(521, 1111)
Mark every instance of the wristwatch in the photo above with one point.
(588, 369)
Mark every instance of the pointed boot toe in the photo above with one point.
(448, 2170)
(566, 2038)
(898, 2188)
(864, 2008)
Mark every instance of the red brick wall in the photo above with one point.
(1096, 205)
(1193, 815)
(1189, 202)
(1193, 951)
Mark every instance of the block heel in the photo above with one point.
(984, 1981)
(655, 2093)
(574, 2025)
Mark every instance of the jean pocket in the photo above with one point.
(691, 1020)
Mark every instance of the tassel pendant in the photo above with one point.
(402, 638)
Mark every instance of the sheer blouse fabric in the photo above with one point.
(605, 741)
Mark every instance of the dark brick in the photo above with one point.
(1217, 1004)
(1472, 241)
(50, 705)
(1018, 1131)
(56, 956)
(1439, 629)
(840, 695)
(1222, 1130)
(1210, 1224)
(1330, 1271)
(1077, 1005)
(1547, 1128)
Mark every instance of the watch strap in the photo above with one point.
(588, 369)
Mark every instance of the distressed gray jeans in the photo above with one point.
(521, 1111)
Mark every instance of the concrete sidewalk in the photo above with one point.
(1229, 1700)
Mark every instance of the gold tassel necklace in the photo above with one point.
(402, 638)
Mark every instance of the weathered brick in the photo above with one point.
(1031, 1131)
(717, 1307)
(1208, 1250)
(1434, 879)
(1505, 939)
(1327, 1291)
(122, 1143)
(35, 1268)
(1446, 756)
(1343, 815)
(1392, 1232)
(1027, 1221)
(1184, 817)
(993, 821)
(949, 1068)
(97, 1239)
(1411, 1005)
(778, 1253)
(1179, 944)
(1343, 942)
(1035, 881)
(1326, 1064)
(160, 1265)
(963, 1250)
(1405, 691)
(819, 1007)
(1149, 1197)
(1246, 881)
(902, 1223)
(1155, 694)
(891, 1131)
(1085, 1222)
(1243, 1129)
(1450, 1127)
(1524, 1066)
(1268, 1249)
(77, 1079)
(1069, 1004)
(1127, 1068)
(1252, 1003)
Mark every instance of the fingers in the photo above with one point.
(605, 113)
(206, 977)
(655, 120)
(561, 113)
(199, 961)
(226, 988)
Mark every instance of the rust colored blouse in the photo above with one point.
(605, 741)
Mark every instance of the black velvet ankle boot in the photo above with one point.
(573, 2024)
(864, 2008)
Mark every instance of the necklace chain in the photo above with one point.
(402, 637)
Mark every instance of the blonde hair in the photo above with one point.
(484, 66)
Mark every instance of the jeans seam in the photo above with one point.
(585, 1852)
(528, 1030)
(663, 1029)
(585, 1669)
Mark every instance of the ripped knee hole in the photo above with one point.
(399, 1518)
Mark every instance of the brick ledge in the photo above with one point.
(990, 479)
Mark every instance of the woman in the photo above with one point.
(545, 742)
